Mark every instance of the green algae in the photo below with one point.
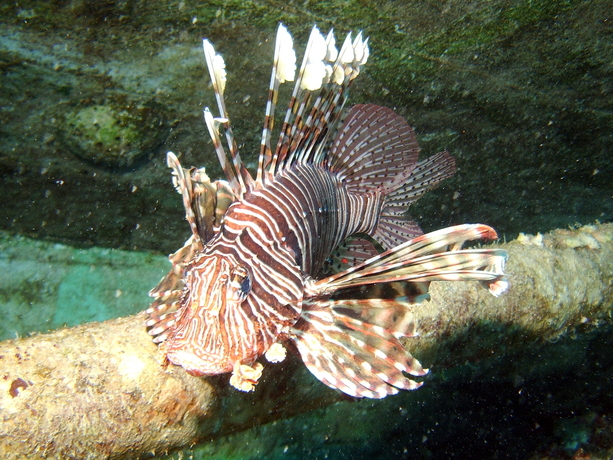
(116, 135)
(105, 129)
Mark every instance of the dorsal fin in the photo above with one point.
(236, 173)
(374, 150)
(283, 69)
(319, 95)
(205, 202)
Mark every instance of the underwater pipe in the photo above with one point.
(98, 390)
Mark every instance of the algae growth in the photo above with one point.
(116, 135)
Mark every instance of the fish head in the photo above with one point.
(232, 310)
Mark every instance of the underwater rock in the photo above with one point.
(45, 286)
(115, 134)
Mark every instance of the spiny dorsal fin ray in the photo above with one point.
(240, 179)
(284, 68)
(311, 64)
(213, 126)
(205, 202)
(311, 143)
(307, 124)
(182, 182)
(433, 256)
(353, 345)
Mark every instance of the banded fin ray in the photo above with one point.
(430, 257)
(236, 173)
(330, 103)
(308, 123)
(183, 184)
(283, 69)
(353, 346)
(312, 63)
(205, 202)
(328, 106)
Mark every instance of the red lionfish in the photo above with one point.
(286, 258)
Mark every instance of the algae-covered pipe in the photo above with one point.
(560, 283)
(99, 391)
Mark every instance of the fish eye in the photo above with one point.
(246, 285)
(240, 282)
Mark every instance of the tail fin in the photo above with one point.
(394, 226)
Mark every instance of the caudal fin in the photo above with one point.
(395, 227)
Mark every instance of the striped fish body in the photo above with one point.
(316, 251)
(246, 286)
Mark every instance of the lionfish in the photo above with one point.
(316, 252)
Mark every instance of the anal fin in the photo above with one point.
(394, 230)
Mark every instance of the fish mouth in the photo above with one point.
(199, 365)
